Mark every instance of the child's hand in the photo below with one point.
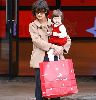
(49, 33)
(57, 49)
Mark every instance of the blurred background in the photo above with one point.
(16, 45)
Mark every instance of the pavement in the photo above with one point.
(22, 88)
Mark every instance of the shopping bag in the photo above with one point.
(57, 78)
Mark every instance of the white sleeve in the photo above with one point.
(63, 31)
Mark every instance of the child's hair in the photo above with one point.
(40, 5)
(57, 13)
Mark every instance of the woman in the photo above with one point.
(38, 30)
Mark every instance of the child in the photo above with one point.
(58, 35)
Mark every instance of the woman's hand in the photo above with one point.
(57, 49)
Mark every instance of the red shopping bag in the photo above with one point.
(57, 78)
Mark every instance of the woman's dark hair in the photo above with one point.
(57, 13)
(40, 5)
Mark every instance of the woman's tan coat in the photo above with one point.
(40, 42)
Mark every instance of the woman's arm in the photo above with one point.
(67, 45)
(36, 39)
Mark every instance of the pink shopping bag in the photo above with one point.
(57, 78)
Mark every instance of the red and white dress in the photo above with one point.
(61, 38)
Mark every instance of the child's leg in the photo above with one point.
(56, 57)
(50, 55)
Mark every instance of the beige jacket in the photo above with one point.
(40, 42)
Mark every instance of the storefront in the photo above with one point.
(16, 44)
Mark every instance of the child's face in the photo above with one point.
(57, 20)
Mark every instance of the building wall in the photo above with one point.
(78, 17)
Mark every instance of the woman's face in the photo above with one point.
(40, 14)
